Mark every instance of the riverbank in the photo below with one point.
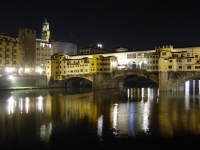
(29, 87)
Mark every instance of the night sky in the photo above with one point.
(138, 24)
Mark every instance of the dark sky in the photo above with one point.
(139, 24)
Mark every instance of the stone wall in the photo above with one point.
(21, 81)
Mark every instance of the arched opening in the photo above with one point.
(138, 81)
(77, 82)
(132, 65)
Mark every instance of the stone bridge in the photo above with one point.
(108, 80)
(167, 81)
(175, 81)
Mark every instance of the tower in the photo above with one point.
(45, 31)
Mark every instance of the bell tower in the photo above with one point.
(45, 31)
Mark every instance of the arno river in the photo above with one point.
(82, 118)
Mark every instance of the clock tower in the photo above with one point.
(45, 31)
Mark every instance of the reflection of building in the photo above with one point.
(61, 65)
(11, 56)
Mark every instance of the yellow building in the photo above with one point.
(61, 65)
(166, 59)
(10, 55)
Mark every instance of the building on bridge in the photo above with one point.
(166, 59)
(61, 65)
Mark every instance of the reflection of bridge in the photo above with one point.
(167, 81)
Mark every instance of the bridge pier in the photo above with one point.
(104, 81)
(168, 82)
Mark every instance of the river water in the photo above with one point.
(83, 118)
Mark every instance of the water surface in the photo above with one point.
(99, 119)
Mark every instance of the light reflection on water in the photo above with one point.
(46, 115)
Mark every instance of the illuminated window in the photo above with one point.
(141, 55)
(131, 56)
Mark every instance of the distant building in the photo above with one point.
(11, 56)
(92, 49)
(64, 47)
(28, 46)
(35, 50)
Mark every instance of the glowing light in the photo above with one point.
(100, 45)
(39, 70)
(145, 61)
(9, 70)
(27, 70)
(11, 77)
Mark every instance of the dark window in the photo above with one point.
(197, 67)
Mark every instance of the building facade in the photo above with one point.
(28, 46)
(61, 65)
(168, 59)
(11, 56)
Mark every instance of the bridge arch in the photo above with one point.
(76, 81)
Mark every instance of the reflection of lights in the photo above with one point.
(145, 61)
(187, 85)
(11, 77)
(187, 96)
(42, 132)
(145, 122)
(142, 94)
(21, 104)
(132, 119)
(100, 126)
(115, 118)
(128, 93)
(11, 105)
(27, 104)
(45, 132)
(40, 103)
